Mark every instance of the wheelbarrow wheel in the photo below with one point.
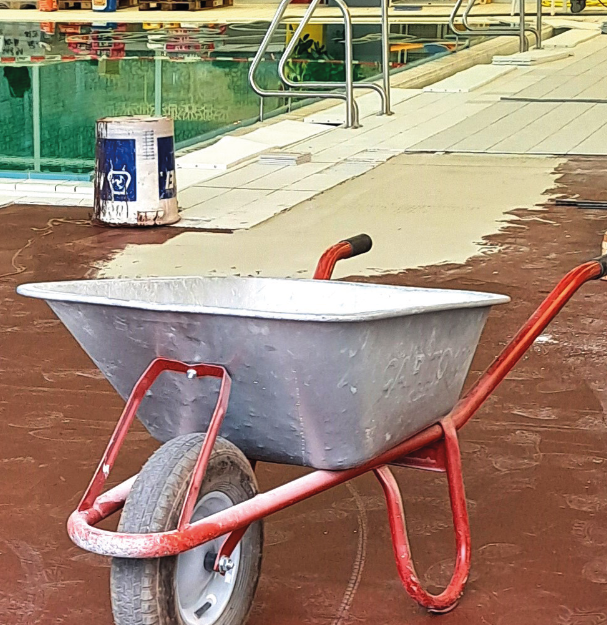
(184, 589)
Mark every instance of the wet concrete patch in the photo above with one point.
(419, 209)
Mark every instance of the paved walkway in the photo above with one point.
(559, 108)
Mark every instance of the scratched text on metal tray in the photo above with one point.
(403, 372)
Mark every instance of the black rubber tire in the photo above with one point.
(143, 591)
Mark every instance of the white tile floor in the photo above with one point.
(192, 196)
(562, 112)
(469, 80)
(286, 176)
(571, 38)
(533, 57)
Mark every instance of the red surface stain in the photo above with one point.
(534, 458)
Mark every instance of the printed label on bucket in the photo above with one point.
(166, 168)
(117, 170)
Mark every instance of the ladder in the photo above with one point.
(337, 90)
(520, 31)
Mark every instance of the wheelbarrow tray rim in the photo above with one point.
(292, 299)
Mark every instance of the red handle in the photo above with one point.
(359, 244)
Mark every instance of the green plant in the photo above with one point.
(310, 62)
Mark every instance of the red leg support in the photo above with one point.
(207, 446)
(447, 599)
(149, 376)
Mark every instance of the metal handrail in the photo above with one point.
(538, 23)
(351, 107)
(352, 115)
(343, 7)
(348, 60)
(518, 31)
(537, 31)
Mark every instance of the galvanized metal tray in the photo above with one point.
(325, 374)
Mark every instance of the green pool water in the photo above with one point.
(54, 86)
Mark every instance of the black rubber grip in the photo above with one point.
(360, 244)
(602, 261)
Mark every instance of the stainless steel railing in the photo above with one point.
(326, 89)
(519, 31)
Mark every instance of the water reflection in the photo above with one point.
(56, 80)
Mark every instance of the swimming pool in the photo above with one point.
(56, 80)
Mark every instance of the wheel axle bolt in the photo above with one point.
(225, 565)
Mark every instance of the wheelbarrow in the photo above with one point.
(346, 378)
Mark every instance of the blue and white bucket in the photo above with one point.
(135, 171)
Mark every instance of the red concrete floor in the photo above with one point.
(534, 459)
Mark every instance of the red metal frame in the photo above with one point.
(143, 385)
(436, 449)
(447, 599)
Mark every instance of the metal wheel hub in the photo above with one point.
(203, 594)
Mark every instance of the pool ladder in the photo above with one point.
(520, 31)
(326, 89)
